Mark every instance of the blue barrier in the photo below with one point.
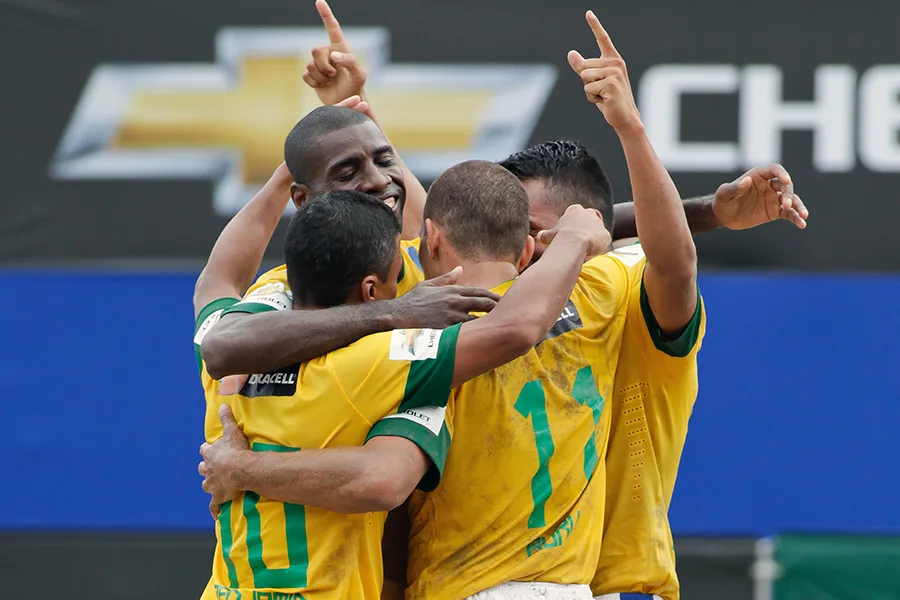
(799, 397)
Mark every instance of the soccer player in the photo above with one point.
(343, 248)
(656, 378)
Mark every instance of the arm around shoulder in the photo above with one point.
(376, 477)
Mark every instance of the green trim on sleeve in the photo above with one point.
(677, 347)
(428, 382)
(211, 308)
(434, 446)
(402, 273)
(248, 306)
(205, 320)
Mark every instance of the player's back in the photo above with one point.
(332, 401)
(522, 494)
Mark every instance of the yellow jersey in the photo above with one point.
(523, 491)
(410, 272)
(653, 396)
(269, 549)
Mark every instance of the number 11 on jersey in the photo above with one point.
(531, 403)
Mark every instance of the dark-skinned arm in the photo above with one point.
(698, 211)
(259, 343)
(759, 196)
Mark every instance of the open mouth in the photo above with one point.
(391, 200)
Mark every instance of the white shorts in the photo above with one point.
(628, 596)
(528, 590)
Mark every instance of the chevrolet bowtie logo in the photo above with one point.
(228, 121)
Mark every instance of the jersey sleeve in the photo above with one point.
(686, 344)
(639, 310)
(400, 382)
(411, 271)
(607, 280)
(209, 316)
(426, 427)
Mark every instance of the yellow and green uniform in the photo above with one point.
(653, 396)
(268, 549)
(523, 491)
(410, 272)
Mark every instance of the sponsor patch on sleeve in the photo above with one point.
(206, 325)
(414, 344)
(630, 255)
(430, 417)
(274, 295)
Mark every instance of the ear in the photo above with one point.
(299, 194)
(433, 236)
(368, 288)
(526, 255)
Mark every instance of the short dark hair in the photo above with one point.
(334, 241)
(574, 174)
(483, 208)
(318, 123)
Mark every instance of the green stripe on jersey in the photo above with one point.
(211, 308)
(434, 446)
(205, 313)
(227, 541)
(428, 382)
(677, 347)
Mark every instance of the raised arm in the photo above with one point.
(235, 258)
(335, 74)
(759, 196)
(671, 272)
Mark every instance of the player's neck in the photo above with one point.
(487, 274)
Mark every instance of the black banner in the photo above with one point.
(133, 130)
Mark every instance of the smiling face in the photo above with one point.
(358, 158)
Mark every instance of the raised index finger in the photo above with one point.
(335, 34)
(603, 40)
